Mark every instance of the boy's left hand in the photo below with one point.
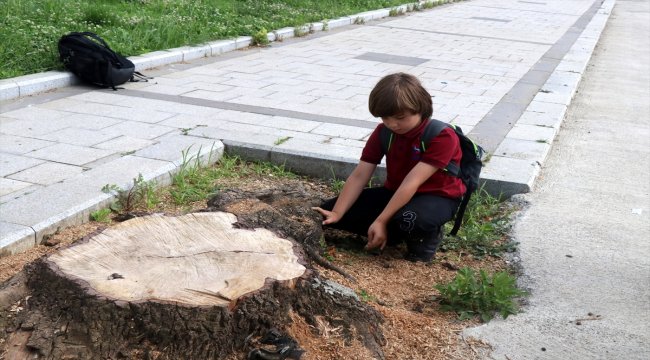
(377, 236)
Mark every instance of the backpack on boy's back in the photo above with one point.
(469, 169)
(90, 58)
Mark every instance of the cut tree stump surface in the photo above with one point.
(194, 259)
(197, 286)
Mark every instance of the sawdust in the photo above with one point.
(401, 291)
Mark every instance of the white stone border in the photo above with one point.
(21, 86)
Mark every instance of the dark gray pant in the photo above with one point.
(419, 218)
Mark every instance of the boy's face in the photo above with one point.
(402, 123)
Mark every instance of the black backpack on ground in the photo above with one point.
(90, 58)
(469, 169)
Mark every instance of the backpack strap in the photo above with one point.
(385, 139)
(461, 211)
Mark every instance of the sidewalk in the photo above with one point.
(505, 72)
(583, 241)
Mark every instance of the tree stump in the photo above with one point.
(189, 287)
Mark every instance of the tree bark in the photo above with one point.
(188, 287)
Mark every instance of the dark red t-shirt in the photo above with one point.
(405, 153)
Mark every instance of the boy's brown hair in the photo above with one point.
(399, 92)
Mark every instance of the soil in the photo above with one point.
(401, 291)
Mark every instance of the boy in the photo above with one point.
(418, 197)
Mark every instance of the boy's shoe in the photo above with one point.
(424, 249)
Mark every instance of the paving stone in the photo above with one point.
(532, 133)
(10, 163)
(138, 130)
(124, 144)
(70, 154)
(8, 186)
(35, 113)
(172, 147)
(225, 135)
(76, 136)
(92, 122)
(556, 110)
(21, 145)
(319, 150)
(47, 173)
(508, 176)
(523, 149)
(121, 112)
(342, 131)
(539, 119)
(555, 93)
(35, 127)
(287, 123)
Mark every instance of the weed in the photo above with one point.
(429, 5)
(326, 25)
(396, 12)
(261, 38)
(193, 181)
(337, 184)
(485, 224)
(359, 20)
(101, 215)
(142, 193)
(300, 31)
(363, 294)
(269, 169)
(282, 140)
(541, 141)
(470, 295)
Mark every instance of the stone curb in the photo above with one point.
(517, 161)
(21, 86)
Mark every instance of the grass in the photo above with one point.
(485, 225)
(194, 181)
(471, 294)
(102, 215)
(30, 30)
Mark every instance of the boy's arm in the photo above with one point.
(377, 235)
(354, 184)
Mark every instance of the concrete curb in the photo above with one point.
(517, 161)
(21, 86)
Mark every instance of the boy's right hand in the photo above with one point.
(330, 216)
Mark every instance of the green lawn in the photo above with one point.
(30, 29)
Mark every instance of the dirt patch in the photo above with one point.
(402, 292)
